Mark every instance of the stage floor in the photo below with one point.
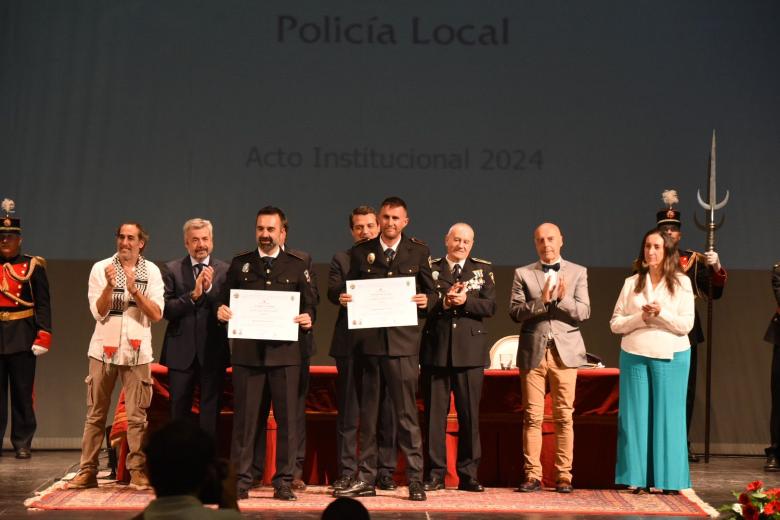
(713, 483)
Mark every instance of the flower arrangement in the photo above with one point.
(755, 503)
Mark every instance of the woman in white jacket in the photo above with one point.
(654, 314)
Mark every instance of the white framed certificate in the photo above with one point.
(381, 302)
(264, 314)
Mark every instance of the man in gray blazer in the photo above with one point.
(549, 299)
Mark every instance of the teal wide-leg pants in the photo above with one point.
(652, 435)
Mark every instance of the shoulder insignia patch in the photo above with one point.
(436, 260)
(418, 241)
(481, 261)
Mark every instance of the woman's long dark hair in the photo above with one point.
(669, 268)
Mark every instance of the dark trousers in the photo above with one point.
(258, 464)
(774, 418)
(691, 386)
(182, 387)
(249, 386)
(348, 386)
(401, 375)
(17, 373)
(466, 385)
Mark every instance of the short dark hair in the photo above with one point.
(345, 508)
(273, 210)
(178, 458)
(394, 202)
(142, 234)
(361, 210)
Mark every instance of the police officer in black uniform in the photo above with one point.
(773, 337)
(454, 354)
(363, 225)
(263, 365)
(25, 330)
(705, 272)
(391, 353)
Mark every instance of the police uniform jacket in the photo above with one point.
(308, 347)
(24, 288)
(458, 336)
(412, 258)
(340, 345)
(702, 276)
(773, 332)
(287, 273)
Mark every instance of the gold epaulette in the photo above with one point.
(418, 241)
(481, 261)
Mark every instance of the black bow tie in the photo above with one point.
(554, 267)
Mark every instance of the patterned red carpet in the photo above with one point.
(585, 501)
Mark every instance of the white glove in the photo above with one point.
(39, 350)
(713, 260)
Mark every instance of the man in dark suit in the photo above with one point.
(706, 274)
(391, 353)
(363, 225)
(195, 347)
(266, 365)
(773, 336)
(549, 300)
(454, 354)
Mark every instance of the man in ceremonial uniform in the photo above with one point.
(195, 348)
(25, 330)
(550, 300)
(706, 274)
(126, 295)
(454, 354)
(773, 336)
(261, 366)
(363, 225)
(391, 353)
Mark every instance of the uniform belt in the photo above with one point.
(16, 315)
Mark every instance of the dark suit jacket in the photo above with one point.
(308, 347)
(288, 273)
(773, 332)
(193, 330)
(412, 259)
(459, 334)
(340, 345)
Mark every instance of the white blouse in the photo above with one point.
(663, 335)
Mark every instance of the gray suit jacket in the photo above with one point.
(560, 319)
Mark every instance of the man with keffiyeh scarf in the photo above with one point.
(125, 298)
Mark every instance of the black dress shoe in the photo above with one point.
(433, 484)
(772, 464)
(671, 492)
(23, 453)
(298, 484)
(564, 486)
(385, 482)
(470, 484)
(242, 494)
(530, 485)
(357, 489)
(416, 491)
(342, 482)
(284, 492)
